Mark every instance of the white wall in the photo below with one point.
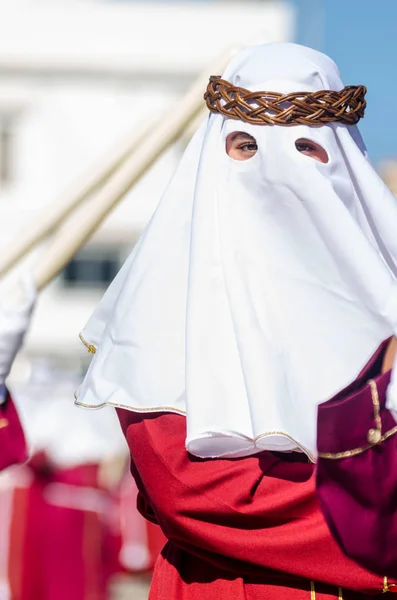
(80, 75)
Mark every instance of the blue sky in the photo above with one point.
(361, 36)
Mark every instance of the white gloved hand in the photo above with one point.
(16, 307)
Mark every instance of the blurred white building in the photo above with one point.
(76, 76)
(388, 172)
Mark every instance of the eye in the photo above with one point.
(249, 147)
(305, 147)
(241, 146)
(312, 149)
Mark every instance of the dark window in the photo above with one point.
(7, 123)
(92, 269)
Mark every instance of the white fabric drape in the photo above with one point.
(259, 288)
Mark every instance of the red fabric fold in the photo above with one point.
(254, 522)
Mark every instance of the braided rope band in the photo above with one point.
(297, 108)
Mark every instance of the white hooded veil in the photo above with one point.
(259, 288)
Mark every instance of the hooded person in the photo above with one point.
(262, 288)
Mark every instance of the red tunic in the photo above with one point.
(12, 441)
(247, 529)
(357, 481)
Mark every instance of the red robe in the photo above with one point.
(12, 441)
(357, 481)
(247, 528)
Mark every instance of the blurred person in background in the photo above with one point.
(249, 336)
(16, 307)
(64, 535)
(61, 510)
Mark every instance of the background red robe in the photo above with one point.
(58, 535)
(12, 441)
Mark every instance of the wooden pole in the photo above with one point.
(166, 131)
(60, 210)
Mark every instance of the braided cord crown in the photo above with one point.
(296, 108)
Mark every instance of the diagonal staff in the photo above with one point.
(106, 185)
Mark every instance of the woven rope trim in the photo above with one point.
(297, 108)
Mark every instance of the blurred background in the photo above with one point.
(77, 78)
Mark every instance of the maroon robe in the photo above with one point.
(357, 481)
(12, 441)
